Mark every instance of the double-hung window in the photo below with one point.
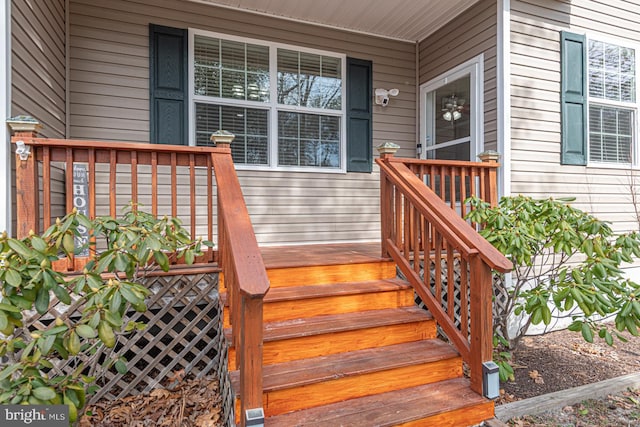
(612, 102)
(284, 104)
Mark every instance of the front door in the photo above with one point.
(451, 124)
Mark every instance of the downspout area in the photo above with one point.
(418, 146)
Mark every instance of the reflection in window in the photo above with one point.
(249, 125)
(229, 69)
(309, 80)
(308, 140)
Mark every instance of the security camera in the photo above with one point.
(22, 150)
(382, 96)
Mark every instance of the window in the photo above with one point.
(285, 105)
(612, 102)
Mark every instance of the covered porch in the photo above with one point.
(128, 93)
(268, 290)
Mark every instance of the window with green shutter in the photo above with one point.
(290, 108)
(599, 101)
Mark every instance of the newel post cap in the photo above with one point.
(387, 149)
(24, 125)
(222, 138)
(489, 156)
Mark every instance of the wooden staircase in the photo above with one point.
(345, 345)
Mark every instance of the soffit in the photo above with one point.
(410, 20)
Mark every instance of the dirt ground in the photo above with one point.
(561, 360)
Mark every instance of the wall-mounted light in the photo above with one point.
(452, 108)
(382, 95)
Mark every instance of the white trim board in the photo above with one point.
(5, 112)
(504, 96)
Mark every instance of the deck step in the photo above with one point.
(339, 333)
(328, 379)
(449, 403)
(316, 300)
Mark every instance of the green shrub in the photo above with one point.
(108, 286)
(567, 263)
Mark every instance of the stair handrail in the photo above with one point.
(421, 215)
(245, 278)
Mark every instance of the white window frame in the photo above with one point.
(272, 106)
(635, 107)
(474, 68)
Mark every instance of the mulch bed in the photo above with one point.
(563, 359)
(190, 403)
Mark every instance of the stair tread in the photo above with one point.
(302, 372)
(314, 255)
(293, 293)
(389, 409)
(333, 323)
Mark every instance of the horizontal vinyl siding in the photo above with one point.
(38, 63)
(535, 105)
(446, 49)
(109, 97)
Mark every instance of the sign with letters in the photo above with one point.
(34, 415)
(81, 203)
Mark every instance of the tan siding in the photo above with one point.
(535, 100)
(445, 49)
(38, 63)
(109, 100)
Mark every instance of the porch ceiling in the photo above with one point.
(410, 20)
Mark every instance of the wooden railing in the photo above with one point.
(448, 263)
(109, 163)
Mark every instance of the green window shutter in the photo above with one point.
(168, 85)
(359, 115)
(574, 98)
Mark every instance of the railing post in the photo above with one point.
(250, 359)
(387, 151)
(491, 191)
(481, 320)
(27, 191)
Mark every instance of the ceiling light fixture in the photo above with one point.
(452, 108)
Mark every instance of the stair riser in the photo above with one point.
(341, 342)
(283, 401)
(304, 308)
(469, 416)
(323, 274)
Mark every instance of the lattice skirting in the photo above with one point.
(499, 301)
(183, 335)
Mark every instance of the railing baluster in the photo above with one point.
(464, 299)
(174, 185)
(46, 188)
(154, 184)
(92, 193)
(452, 188)
(134, 179)
(113, 166)
(437, 260)
(192, 186)
(69, 197)
(210, 206)
(451, 285)
(463, 191)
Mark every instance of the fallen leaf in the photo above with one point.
(536, 377)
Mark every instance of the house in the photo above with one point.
(309, 89)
